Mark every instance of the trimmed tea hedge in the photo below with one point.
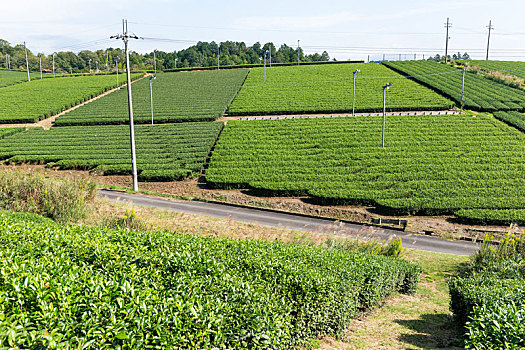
(165, 152)
(329, 89)
(177, 97)
(489, 298)
(42, 98)
(97, 288)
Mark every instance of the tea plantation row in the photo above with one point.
(32, 101)
(329, 88)
(164, 152)
(96, 288)
(489, 296)
(11, 77)
(481, 93)
(177, 97)
(430, 165)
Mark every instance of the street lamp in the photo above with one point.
(54, 53)
(386, 87)
(265, 53)
(175, 63)
(353, 99)
(151, 95)
(116, 65)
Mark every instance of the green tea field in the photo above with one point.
(164, 152)
(430, 164)
(38, 99)
(177, 97)
(329, 88)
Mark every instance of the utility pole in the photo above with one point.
(463, 90)
(298, 47)
(54, 53)
(490, 27)
(447, 25)
(27, 63)
(151, 95)
(125, 37)
(40, 61)
(386, 87)
(353, 92)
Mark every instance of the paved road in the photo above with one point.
(293, 222)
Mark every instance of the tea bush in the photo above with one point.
(99, 288)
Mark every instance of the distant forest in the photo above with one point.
(203, 54)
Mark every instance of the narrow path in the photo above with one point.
(47, 123)
(294, 222)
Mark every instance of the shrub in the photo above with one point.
(59, 199)
(102, 288)
(497, 326)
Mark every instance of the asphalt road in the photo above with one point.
(294, 222)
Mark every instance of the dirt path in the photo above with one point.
(47, 123)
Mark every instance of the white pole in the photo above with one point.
(40, 61)
(89, 65)
(353, 93)
(27, 63)
(151, 96)
(387, 86)
(265, 66)
(298, 52)
(463, 90)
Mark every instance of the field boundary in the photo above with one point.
(334, 115)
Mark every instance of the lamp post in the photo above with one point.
(463, 91)
(97, 66)
(116, 65)
(353, 92)
(265, 53)
(151, 95)
(386, 87)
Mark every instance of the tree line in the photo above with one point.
(203, 54)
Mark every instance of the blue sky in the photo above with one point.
(346, 29)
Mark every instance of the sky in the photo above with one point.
(345, 29)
